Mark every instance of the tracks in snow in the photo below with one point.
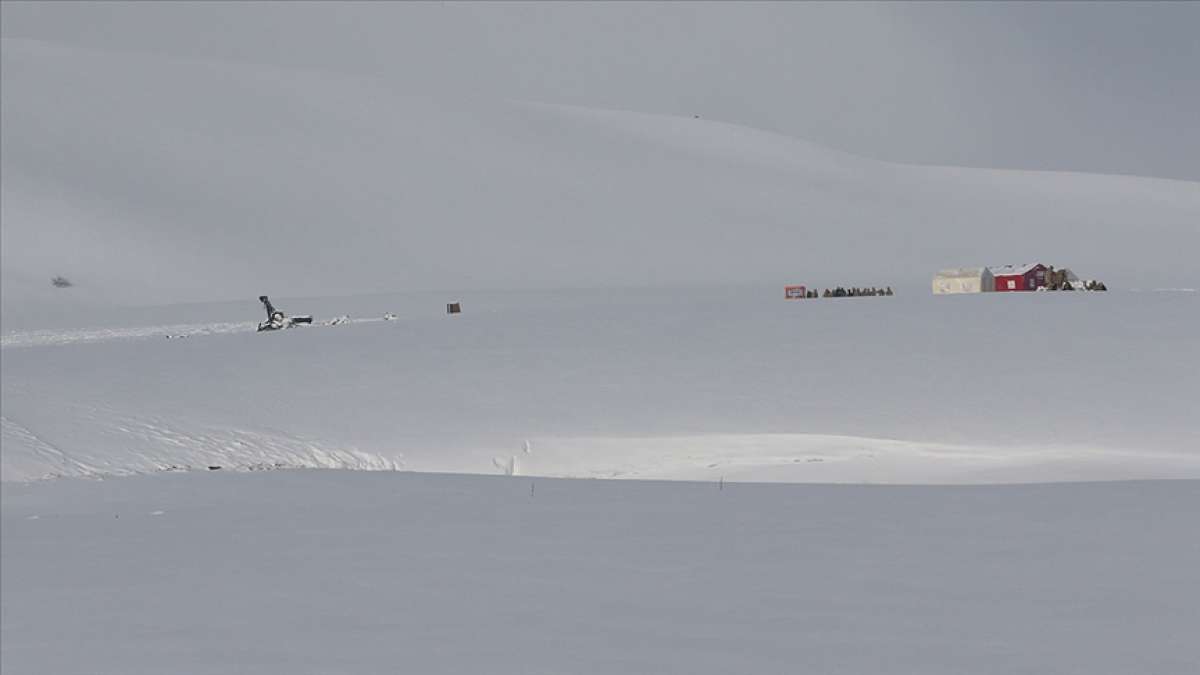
(52, 337)
(15, 437)
(152, 445)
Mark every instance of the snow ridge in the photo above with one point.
(154, 445)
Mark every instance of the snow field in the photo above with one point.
(694, 384)
(352, 572)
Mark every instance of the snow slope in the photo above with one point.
(146, 180)
(703, 384)
(345, 572)
(163, 187)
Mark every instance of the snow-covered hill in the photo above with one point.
(147, 180)
(173, 193)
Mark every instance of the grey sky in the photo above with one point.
(1105, 87)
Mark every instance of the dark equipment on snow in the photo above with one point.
(277, 319)
(453, 308)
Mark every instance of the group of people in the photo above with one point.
(840, 292)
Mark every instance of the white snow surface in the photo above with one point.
(150, 183)
(351, 572)
(689, 383)
(144, 179)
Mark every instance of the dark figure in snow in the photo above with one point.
(273, 315)
(889, 290)
(276, 318)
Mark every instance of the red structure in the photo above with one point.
(795, 292)
(1029, 277)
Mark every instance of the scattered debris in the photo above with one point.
(390, 317)
(277, 319)
(61, 282)
(337, 321)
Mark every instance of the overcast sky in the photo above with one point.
(1104, 87)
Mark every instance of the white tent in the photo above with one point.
(963, 280)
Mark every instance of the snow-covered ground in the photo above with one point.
(350, 572)
(162, 188)
(699, 383)
(164, 181)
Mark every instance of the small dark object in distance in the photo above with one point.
(453, 308)
(214, 468)
(61, 282)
